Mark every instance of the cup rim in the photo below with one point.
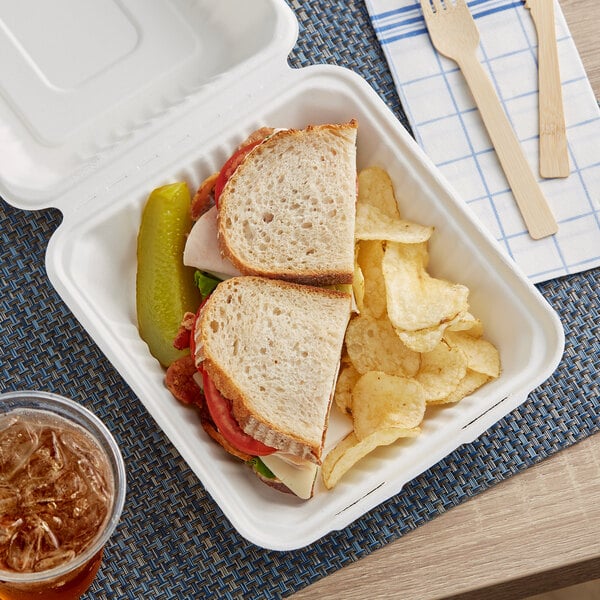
(66, 407)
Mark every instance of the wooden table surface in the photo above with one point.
(537, 531)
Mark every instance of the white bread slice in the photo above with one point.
(273, 348)
(288, 210)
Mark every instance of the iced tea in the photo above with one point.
(57, 498)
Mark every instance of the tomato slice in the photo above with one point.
(220, 411)
(234, 161)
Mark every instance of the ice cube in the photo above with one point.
(21, 552)
(48, 457)
(8, 499)
(8, 527)
(53, 559)
(17, 443)
(95, 478)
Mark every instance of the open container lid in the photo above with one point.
(85, 82)
(92, 130)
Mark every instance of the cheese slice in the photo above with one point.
(297, 476)
(202, 249)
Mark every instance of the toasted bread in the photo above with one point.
(288, 210)
(273, 349)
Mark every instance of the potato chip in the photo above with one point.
(358, 283)
(467, 385)
(372, 345)
(425, 340)
(441, 371)
(415, 300)
(373, 224)
(350, 450)
(380, 401)
(469, 324)
(375, 187)
(343, 389)
(482, 356)
(369, 258)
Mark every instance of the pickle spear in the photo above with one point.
(165, 288)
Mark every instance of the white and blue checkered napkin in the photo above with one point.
(447, 125)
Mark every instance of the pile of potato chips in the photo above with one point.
(413, 342)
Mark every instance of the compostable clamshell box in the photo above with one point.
(91, 127)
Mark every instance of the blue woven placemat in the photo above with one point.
(173, 541)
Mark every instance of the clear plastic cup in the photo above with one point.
(72, 490)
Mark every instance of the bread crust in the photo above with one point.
(259, 426)
(316, 274)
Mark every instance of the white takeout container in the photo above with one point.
(101, 102)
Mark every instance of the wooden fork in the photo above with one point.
(454, 34)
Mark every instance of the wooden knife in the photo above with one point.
(554, 156)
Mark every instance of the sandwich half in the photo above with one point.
(270, 350)
(285, 208)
